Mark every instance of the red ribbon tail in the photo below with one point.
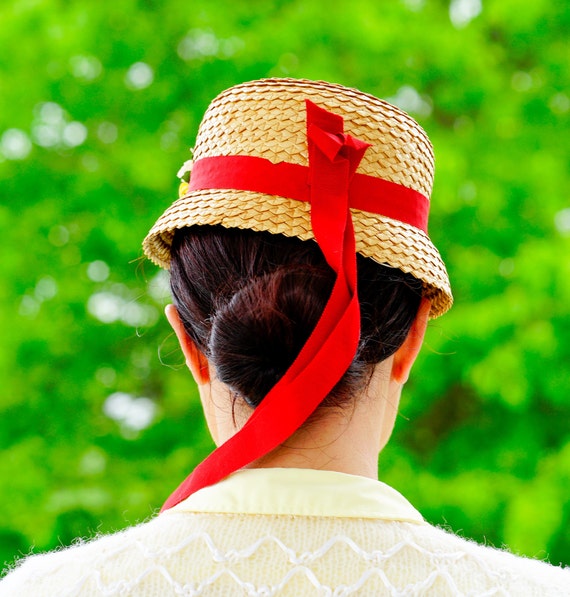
(330, 349)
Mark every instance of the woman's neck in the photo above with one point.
(346, 440)
(331, 442)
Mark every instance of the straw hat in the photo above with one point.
(267, 119)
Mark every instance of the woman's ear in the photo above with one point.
(405, 356)
(195, 359)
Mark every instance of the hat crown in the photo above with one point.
(267, 119)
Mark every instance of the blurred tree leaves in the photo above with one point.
(99, 103)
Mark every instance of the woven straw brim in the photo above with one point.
(267, 119)
(386, 241)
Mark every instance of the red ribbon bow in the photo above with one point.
(330, 349)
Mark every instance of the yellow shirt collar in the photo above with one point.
(301, 492)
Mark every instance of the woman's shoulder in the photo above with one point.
(107, 564)
(166, 555)
(515, 574)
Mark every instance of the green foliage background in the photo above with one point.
(99, 102)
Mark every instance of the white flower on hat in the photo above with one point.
(185, 170)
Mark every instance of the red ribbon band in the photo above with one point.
(251, 173)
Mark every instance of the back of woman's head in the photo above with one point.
(250, 300)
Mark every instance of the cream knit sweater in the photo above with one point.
(285, 532)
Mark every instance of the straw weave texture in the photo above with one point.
(267, 119)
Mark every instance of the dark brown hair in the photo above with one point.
(249, 300)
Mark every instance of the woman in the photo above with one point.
(303, 279)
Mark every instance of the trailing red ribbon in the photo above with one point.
(330, 349)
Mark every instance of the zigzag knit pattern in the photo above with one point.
(190, 555)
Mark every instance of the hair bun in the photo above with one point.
(259, 332)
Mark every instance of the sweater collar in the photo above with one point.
(301, 492)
